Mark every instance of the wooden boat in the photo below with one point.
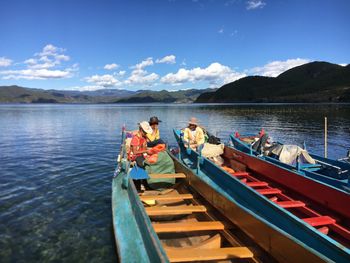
(332, 172)
(315, 214)
(194, 220)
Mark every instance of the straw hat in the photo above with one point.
(146, 127)
(193, 121)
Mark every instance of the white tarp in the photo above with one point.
(288, 154)
(212, 150)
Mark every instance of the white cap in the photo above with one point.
(146, 127)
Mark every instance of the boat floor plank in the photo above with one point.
(190, 254)
(290, 204)
(163, 176)
(320, 220)
(187, 226)
(174, 210)
(166, 197)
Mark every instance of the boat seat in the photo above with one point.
(290, 204)
(269, 191)
(187, 226)
(175, 210)
(165, 176)
(240, 174)
(166, 197)
(257, 184)
(320, 220)
(195, 254)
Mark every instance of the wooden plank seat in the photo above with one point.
(269, 191)
(320, 220)
(257, 184)
(290, 204)
(195, 254)
(166, 197)
(163, 176)
(175, 210)
(187, 226)
(240, 174)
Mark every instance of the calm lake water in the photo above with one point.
(57, 163)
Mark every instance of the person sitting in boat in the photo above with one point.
(138, 144)
(154, 139)
(193, 134)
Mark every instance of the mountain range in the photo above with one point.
(311, 82)
(16, 94)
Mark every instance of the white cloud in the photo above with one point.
(42, 66)
(49, 57)
(274, 68)
(343, 64)
(36, 74)
(121, 73)
(254, 4)
(145, 63)
(140, 76)
(103, 80)
(111, 66)
(5, 62)
(215, 73)
(171, 59)
(221, 30)
(87, 88)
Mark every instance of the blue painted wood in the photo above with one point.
(135, 237)
(330, 177)
(269, 211)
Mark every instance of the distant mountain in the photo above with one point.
(312, 82)
(16, 94)
(181, 96)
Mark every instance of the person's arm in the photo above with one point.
(135, 150)
(200, 136)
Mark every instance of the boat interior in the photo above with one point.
(191, 230)
(332, 225)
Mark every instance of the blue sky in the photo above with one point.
(169, 44)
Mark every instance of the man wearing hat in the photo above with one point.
(153, 138)
(193, 134)
(138, 143)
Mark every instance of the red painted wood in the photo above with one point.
(290, 204)
(239, 174)
(269, 191)
(324, 230)
(257, 184)
(334, 200)
(320, 220)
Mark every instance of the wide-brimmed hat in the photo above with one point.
(193, 121)
(145, 127)
(154, 120)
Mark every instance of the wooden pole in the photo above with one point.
(325, 137)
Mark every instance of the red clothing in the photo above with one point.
(139, 143)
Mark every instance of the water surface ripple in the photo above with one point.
(57, 162)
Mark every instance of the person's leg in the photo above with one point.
(137, 184)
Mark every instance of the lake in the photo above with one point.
(57, 162)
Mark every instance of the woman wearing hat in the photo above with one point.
(153, 138)
(193, 134)
(138, 143)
